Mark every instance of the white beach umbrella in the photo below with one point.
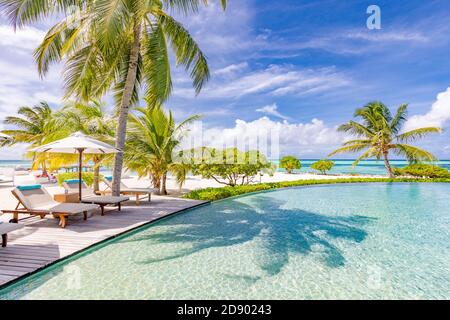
(4, 137)
(77, 143)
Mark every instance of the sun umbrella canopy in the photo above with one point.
(4, 136)
(76, 142)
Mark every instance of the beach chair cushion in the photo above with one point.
(69, 208)
(73, 185)
(89, 196)
(105, 199)
(34, 198)
(41, 200)
(125, 188)
(29, 187)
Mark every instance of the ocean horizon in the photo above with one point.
(341, 166)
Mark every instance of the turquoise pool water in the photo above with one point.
(336, 241)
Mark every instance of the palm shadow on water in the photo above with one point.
(279, 232)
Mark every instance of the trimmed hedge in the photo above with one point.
(212, 194)
(88, 177)
(422, 170)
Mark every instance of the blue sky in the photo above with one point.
(299, 67)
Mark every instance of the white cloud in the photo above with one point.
(272, 110)
(275, 80)
(25, 39)
(231, 69)
(438, 115)
(314, 138)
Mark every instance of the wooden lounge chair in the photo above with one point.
(125, 190)
(88, 195)
(36, 201)
(5, 228)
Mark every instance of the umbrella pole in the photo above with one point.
(80, 164)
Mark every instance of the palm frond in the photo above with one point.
(156, 66)
(413, 154)
(417, 134)
(22, 12)
(399, 118)
(350, 148)
(187, 51)
(356, 128)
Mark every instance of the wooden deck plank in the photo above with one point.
(42, 242)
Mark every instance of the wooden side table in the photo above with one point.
(71, 197)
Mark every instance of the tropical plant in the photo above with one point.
(422, 170)
(38, 125)
(323, 166)
(92, 120)
(114, 44)
(232, 167)
(379, 133)
(289, 163)
(152, 139)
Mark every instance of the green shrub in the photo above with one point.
(423, 170)
(212, 194)
(289, 163)
(88, 177)
(323, 166)
(231, 166)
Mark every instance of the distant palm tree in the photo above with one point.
(115, 44)
(36, 125)
(152, 138)
(379, 133)
(92, 120)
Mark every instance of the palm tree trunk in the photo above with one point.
(388, 165)
(163, 184)
(96, 177)
(124, 108)
(156, 181)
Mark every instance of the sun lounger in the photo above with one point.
(36, 201)
(88, 195)
(5, 228)
(125, 190)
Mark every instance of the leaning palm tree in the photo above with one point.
(36, 125)
(91, 119)
(152, 139)
(114, 44)
(379, 133)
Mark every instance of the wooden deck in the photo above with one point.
(42, 242)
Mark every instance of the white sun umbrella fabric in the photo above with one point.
(77, 143)
(4, 137)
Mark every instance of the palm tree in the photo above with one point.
(152, 139)
(379, 133)
(92, 120)
(115, 44)
(36, 125)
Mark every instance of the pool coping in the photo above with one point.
(98, 245)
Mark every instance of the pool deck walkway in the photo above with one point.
(42, 242)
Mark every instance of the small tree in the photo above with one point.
(231, 166)
(323, 166)
(289, 163)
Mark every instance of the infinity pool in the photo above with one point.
(319, 242)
